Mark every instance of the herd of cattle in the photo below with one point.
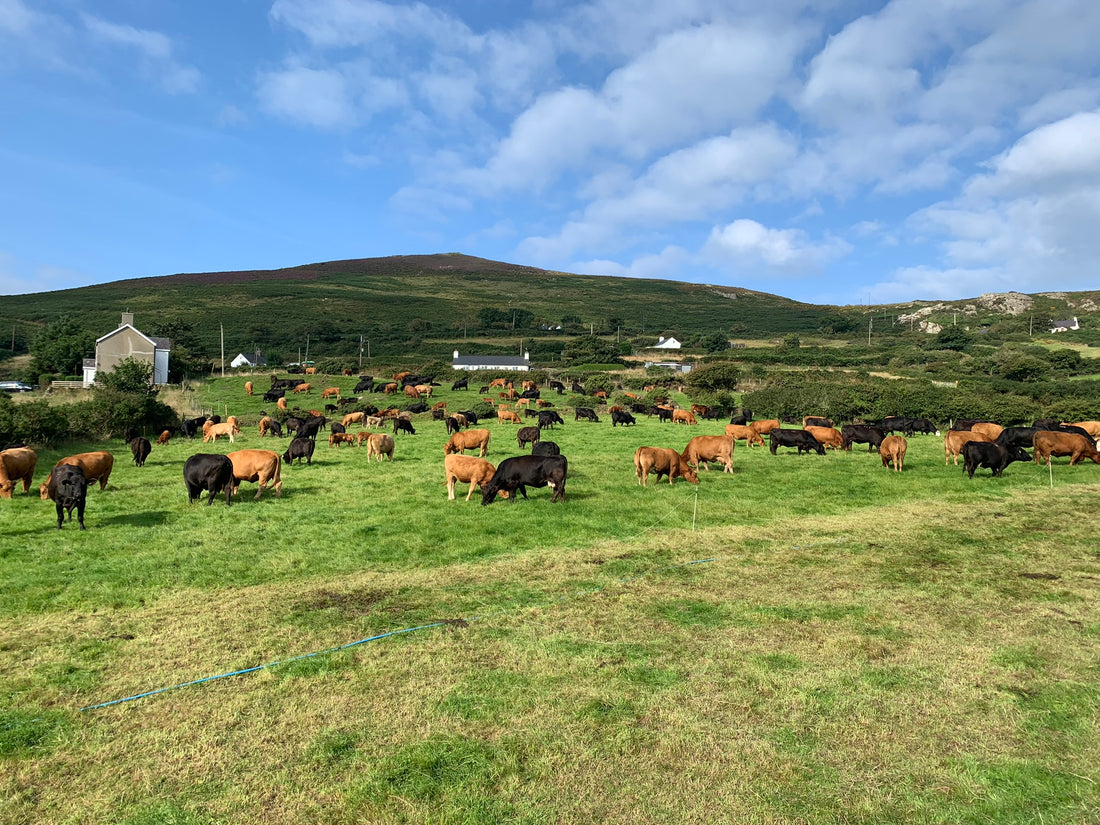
(981, 444)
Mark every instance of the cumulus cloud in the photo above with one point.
(317, 97)
(748, 243)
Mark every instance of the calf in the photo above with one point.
(662, 413)
(545, 448)
(300, 448)
(380, 445)
(141, 448)
(477, 471)
(330, 392)
(403, 425)
(662, 461)
(518, 473)
(261, 466)
(801, 439)
(336, 439)
(892, 449)
(16, 464)
(208, 471)
(527, 435)
(622, 417)
(69, 489)
(704, 448)
(468, 440)
(164, 437)
(992, 455)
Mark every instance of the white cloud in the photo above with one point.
(313, 96)
(748, 243)
(922, 282)
(155, 49)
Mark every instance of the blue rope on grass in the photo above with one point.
(375, 639)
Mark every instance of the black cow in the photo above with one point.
(274, 395)
(452, 424)
(403, 425)
(815, 421)
(293, 422)
(337, 427)
(519, 473)
(801, 439)
(742, 418)
(69, 489)
(141, 448)
(528, 435)
(346, 401)
(310, 427)
(1016, 436)
(208, 471)
(331, 408)
(548, 418)
(861, 434)
(418, 407)
(545, 448)
(662, 413)
(587, 414)
(577, 388)
(461, 384)
(470, 416)
(557, 386)
(992, 455)
(621, 417)
(275, 428)
(529, 413)
(129, 434)
(300, 448)
(531, 394)
(639, 409)
(365, 384)
(964, 424)
(192, 425)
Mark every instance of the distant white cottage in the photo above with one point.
(510, 363)
(666, 343)
(1064, 326)
(256, 359)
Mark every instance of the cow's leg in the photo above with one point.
(79, 513)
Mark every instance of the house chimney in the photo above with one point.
(456, 355)
(526, 356)
(127, 318)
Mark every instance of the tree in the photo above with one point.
(61, 348)
(126, 397)
(952, 337)
(591, 350)
(714, 342)
(715, 377)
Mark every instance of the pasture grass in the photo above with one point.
(853, 645)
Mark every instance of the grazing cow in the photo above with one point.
(662, 461)
(477, 471)
(264, 425)
(987, 428)
(451, 424)
(69, 490)
(390, 388)
(1016, 437)
(164, 437)
(411, 391)
(557, 386)
(274, 394)
(804, 441)
(365, 384)
(303, 388)
(16, 464)
(548, 418)
(337, 427)
(586, 413)
(742, 431)
(683, 417)
(993, 455)
(816, 421)
(1048, 443)
(765, 426)
(622, 417)
(700, 410)
(212, 431)
(192, 426)
(141, 448)
(955, 440)
(461, 384)
(861, 434)
(527, 435)
(663, 413)
(311, 370)
(424, 389)
(545, 448)
(518, 473)
(208, 471)
(257, 465)
(892, 449)
(508, 416)
(380, 445)
(742, 418)
(281, 403)
(468, 440)
(577, 388)
(704, 448)
(96, 466)
(311, 426)
(828, 436)
(403, 425)
(336, 439)
(330, 392)
(248, 388)
(300, 448)
(353, 418)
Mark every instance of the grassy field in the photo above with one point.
(808, 640)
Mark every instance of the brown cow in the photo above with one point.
(661, 461)
(380, 444)
(764, 426)
(704, 448)
(460, 420)
(257, 465)
(424, 389)
(987, 428)
(96, 466)
(311, 370)
(401, 376)
(683, 417)
(281, 403)
(464, 468)
(336, 439)
(700, 410)
(468, 440)
(306, 388)
(330, 392)
(354, 418)
(498, 382)
(228, 428)
(248, 387)
(164, 437)
(1048, 443)
(16, 464)
(411, 391)
(742, 431)
(390, 388)
(509, 416)
(807, 418)
(827, 436)
(1090, 427)
(265, 425)
(955, 440)
(892, 449)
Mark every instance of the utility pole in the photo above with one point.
(221, 327)
(360, 352)
(870, 326)
(307, 346)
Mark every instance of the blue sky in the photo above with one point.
(826, 150)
